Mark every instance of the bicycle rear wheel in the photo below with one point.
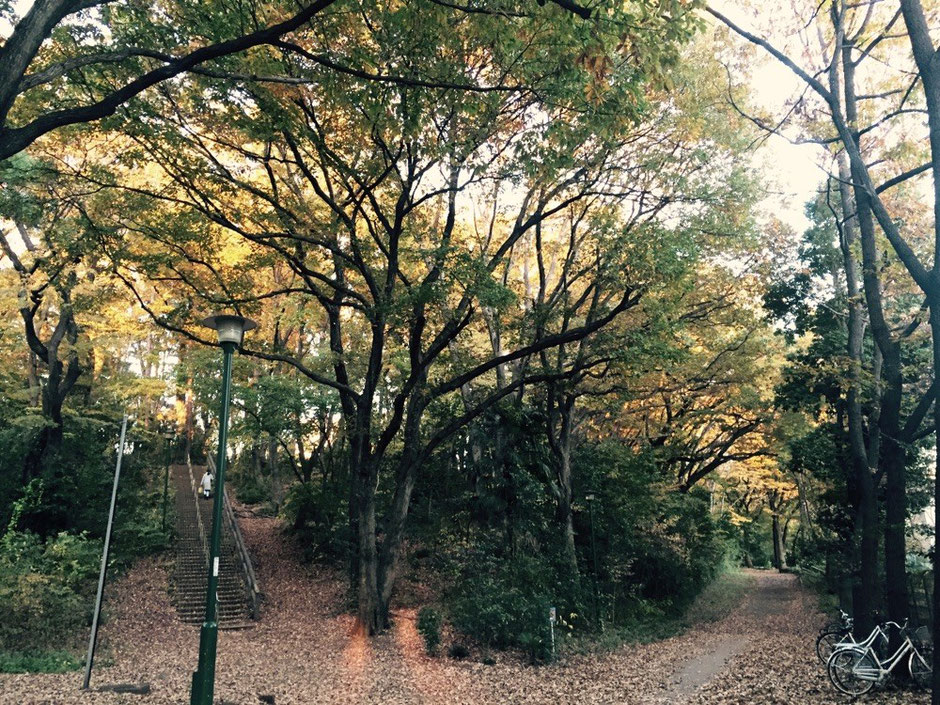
(852, 671)
(826, 643)
(921, 668)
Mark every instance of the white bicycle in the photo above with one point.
(834, 634)
(854, 669)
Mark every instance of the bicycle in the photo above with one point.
(854, 669)
(833, 634)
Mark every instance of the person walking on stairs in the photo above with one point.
(205, 485)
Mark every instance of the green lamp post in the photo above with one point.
(231, 330)
(590, 497)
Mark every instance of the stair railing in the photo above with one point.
(244, 559)
(202, 530)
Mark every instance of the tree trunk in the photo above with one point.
(371, 618)
(277, 489)
(886, 450)
(32, 375)
(188, 422)
(392, 542)
(564, 508)
(364, 566)
(565, 441)
(561, 440)
(806, 519)
(780, 556)
(865, 548)
(49, 443)
(398, 513)
(935, 336)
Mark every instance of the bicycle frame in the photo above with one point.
(884, 667)
(865, 645)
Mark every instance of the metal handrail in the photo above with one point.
(244, 559)
(202, 529)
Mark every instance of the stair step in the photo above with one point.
(189, 578)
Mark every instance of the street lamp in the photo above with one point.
(167, 438)
(590, 500)
(231, 330)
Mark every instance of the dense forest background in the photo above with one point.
(531, 332)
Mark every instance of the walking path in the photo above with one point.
(774, 606)
(304, 652)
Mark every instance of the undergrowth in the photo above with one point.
(714, 603)
(39, 662)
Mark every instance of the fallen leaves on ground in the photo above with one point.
(304, 651)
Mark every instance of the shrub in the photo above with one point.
(318, 521)
(39, 662)
(458, 651)
(505, 604)
(45, 589)
(250, 490)
(429, 624)
(656, 548)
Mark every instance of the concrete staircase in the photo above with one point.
(190, 575)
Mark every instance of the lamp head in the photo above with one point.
(230, 328)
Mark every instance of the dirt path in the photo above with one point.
(771, 594)
(304, 652)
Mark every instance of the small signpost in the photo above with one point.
(552, 618)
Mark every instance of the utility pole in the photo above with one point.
(168, 438)
(93, 639)
(590, 500)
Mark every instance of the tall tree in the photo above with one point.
(360, 188)
(858, 32)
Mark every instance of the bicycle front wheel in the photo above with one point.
(852, 671)
(827, 641)
(921, 668)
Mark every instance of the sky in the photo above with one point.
(792, 172)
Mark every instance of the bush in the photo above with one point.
(429, 624)
(657, 548)
(45, 589)
(39, 662)
(318, 521)
(250, 490)
(505, 604)
(458, 651)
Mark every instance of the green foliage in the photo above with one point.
(250, 491)
(656, 548)
(45, 588)
(429, 626)
(755, 544)
(56, 661)
(74, 494)
(50, 550)
(318, 520)
(505, 603)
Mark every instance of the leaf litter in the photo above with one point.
(304, 651)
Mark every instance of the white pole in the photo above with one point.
(551, 627)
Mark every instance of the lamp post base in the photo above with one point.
(204, 676)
